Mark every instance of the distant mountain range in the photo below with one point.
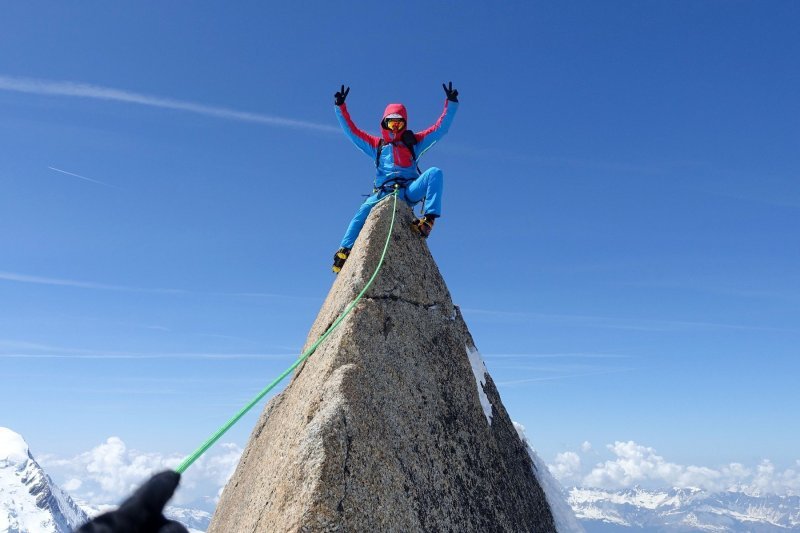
(683, 510)
(196, 520)
(31, 502)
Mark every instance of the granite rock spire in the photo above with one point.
(389, 426)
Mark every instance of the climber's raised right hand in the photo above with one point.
(341, 95)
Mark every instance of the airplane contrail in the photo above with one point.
(85, 90)
(82, 177)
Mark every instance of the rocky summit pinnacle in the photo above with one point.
(390, 425)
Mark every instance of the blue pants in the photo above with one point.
(428, 185)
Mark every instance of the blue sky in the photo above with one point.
(620, 218)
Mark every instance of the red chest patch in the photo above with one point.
(401, 154)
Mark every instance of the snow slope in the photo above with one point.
(29, 500)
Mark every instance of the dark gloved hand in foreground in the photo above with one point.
(452, 94)
(341, 95)
(142, 512)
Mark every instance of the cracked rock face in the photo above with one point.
(382, 428)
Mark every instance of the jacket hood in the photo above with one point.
(400, 109)
(392, 109)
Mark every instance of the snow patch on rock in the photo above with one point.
(564, 517)
(479, 370)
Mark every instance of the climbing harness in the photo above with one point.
(392, 184)
(194, 456)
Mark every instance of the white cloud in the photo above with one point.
(567, 468)
(634, 464)
(111, 471)
(84, 90)
(215, 469)
(767, 479)
(71, 485)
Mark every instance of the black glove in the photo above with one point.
(340, 96)
(452, 94)
(142, 512)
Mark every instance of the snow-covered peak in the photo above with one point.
(29, 500)
(13, 448)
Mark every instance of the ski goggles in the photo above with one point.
(394, 124)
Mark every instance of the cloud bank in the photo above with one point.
(109, 472)
(634, 464)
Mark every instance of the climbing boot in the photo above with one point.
(424, 225)
(339, 258)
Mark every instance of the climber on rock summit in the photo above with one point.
(397, 166)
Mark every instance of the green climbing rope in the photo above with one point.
(195, 455)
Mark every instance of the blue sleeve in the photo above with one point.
(365, 142)
(432, 135)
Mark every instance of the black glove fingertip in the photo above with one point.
(155, 494)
